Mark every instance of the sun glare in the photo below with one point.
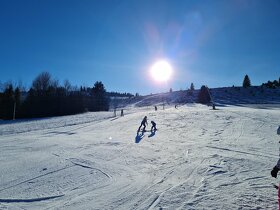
(161, 71)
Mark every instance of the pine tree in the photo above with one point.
(203, 95)
(192, 87)
(246, 81)
(101, 100)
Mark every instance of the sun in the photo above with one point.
(161, 71)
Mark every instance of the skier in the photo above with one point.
(213, 106)
(115, 112)
(122, 113)
(153, 128)
(274, 172)
(144, 122)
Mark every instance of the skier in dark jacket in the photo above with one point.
(274, 172)
(143, 123)
(153, 128)
(277, 166)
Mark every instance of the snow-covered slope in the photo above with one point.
(198, 159)
(251, 95)
(220, 96)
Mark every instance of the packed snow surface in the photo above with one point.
(198, 159)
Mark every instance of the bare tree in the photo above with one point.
(67, 85)
(1, 87)
(42, 82)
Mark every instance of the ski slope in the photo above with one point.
(198, 159)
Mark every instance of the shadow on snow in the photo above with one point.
(140, 136)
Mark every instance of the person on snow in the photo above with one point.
(143, 123)
(153, 128)
(115, 112)
(277, 167)
(274, 172)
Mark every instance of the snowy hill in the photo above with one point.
(252, 95)
(221, 96)
(198, 159)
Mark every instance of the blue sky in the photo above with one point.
(207, 42)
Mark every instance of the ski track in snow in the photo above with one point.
(29, 200)
(198, 159)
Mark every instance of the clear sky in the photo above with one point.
(207, 42)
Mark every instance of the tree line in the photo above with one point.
(47, 98)
(269, 84)
(272, 84)
(204, 95)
